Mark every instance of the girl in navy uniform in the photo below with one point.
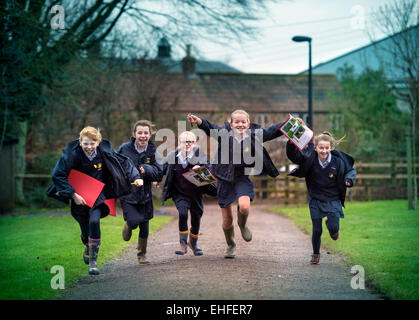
(231, 169)
(186, 195)
(328, 172)
(95, 157)
(137, 207)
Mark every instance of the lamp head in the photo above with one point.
(301, 38)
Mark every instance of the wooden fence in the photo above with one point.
(374, 181)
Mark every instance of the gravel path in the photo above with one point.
(274, 265)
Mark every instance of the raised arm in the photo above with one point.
(272, 132)
(297, 156)
(203, 124)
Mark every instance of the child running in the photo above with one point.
(187, 196)
(237, 139)
(137, 207)
(94, 157)
(328, 172)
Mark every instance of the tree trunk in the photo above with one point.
(413, 146)
(21, 160)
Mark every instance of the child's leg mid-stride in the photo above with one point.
(183, 230)
(228, 229)
(332, 224)
(316, 240)
(243, 210)
(196, 214)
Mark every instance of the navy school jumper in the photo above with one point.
(186, 195)
(323, 202)
(232, 180)
(138, 205)
(306, 159)
(226, 171)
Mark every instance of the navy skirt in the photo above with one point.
(229, 192)
(194, 203)
(320, 209)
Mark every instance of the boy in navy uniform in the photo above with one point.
(328, 172)
(137, 207)
(187, 196)
(95, 157)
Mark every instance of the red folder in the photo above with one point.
(112, 206)
(89, 188)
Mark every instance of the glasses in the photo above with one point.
(187, 142)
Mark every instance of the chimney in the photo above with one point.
(188, 63)
(163, 48)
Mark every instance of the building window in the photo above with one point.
(337, 121)
(263, 119)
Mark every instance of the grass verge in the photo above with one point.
(32, 245)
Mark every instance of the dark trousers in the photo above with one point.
(195, 206)
(136, 216)
(89, 223)
(332, 226)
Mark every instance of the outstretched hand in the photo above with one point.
(302, 121)
(194, 119)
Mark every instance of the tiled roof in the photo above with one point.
(201, 66)
(215, 92)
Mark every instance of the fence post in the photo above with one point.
(411, 205)
(287, 183)
(393, 173)
(264, 185)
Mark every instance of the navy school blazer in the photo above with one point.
(153, 171)
(198, 158)
(305, 159)
(225, 171)
(119, 172)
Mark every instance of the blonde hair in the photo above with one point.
(185, 134)
(91, 133)
(327, 136)
(144, 123)
(239, 111)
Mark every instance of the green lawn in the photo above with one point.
(381, 236)
(32, 245)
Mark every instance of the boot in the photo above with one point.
(142, 250)
(315, 258)
(193, 244)
(126, 232)
(86, 254)
(93, 253)
(183, 239)
(241, 221)
(231, 245)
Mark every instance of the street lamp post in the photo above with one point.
(310, 96)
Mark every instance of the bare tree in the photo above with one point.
(34, 53)
(400, 59)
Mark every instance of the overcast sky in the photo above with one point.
(336, 27)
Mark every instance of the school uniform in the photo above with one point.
(325, 185)
(186, 196)
(105, 165)
(233, 182)
(137, 207)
